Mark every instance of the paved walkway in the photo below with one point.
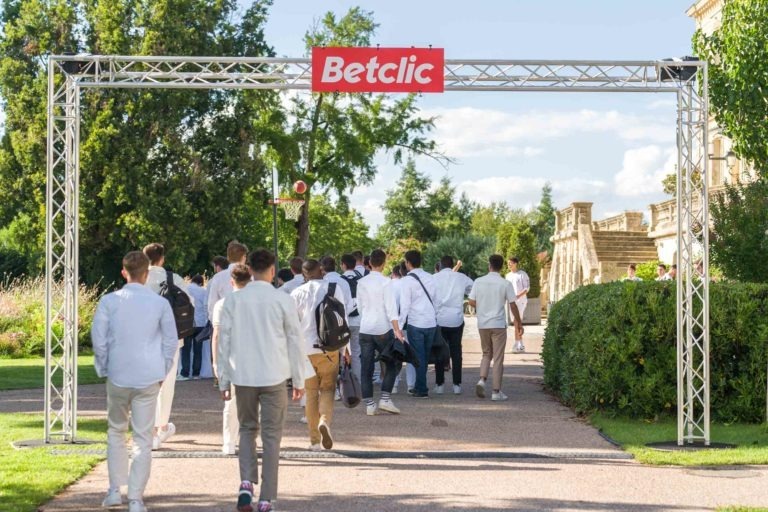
(529, 453)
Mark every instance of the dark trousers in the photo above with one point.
(452, 336)
(370, 344)
(197, 354)
(421, 340)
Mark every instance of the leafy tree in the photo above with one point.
(406, 208)
(738, 76)
(518, 239)
(473, 251)
(336, 229)
(448, 216)
(739, 240)
(331, 139)
(396, 250)
(544, 220)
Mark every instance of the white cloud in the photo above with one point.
(643, 170)
(525, 192)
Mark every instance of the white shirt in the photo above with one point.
(376, 304)
(665, 277)
(134, 337)
(335, 277)
(289, 286)
(157, 276)
(520, 282)
(361, 269)
(260, 341)
(219, 286)
(200, 295)
(415, 307)
(396, 286)
(354, 321)
(492, 293)
(307, 298)
(451, 288)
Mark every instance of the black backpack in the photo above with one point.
(183, 310)
(352, 282)
(332, 329)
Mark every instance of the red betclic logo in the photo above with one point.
(377, 69)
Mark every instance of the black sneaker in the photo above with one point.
(245, 497)
(420, 395)
(411, 391)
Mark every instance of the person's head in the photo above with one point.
(378, 258)
(673, 271)
(283, 276)
(347, 262)
(197, 279)
(661, 270)
(367, 262)
(219, 263)
(437, 267)
(495, 262)
(512, 263)
(296, 265)
(631, 270)
(236, 252)
(240, 276)
(328, 264)
(358, 255)
(412, 260)
(395, 273)
(155, 253)
(312, 270)
(261, 263)
(446, 262)
(135, 267)
(403, 269)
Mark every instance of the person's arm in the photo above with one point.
(405, 300)
(213, 295)
(472, 296)
(223, 349)
(170, 336)
(526, 282)
(468, 283)
(390, 308)
(99, 338)
(301, 369)
(457, 266)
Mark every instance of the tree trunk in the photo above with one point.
(302, 230)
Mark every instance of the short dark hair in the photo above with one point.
(348, 261)
(514, 259)
(236, 251)
(295, 264)
(403, 269)
(261, 260)
(220, 261)
(154, 252)
(495, 262)
(136, 264)
(328, 263)
(285, 274)
(632, 266)
(674, 266)
(662, 266)
(396, 271)
(413, 257)
(197, 279)
(367, 261)
(358, 255)
(378, 257)
(446, 262)
(310, 266)
(240, 274)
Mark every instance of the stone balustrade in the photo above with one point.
(625, 221)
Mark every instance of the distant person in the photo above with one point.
(135, 346)
(661, 272)
(219, 263)
(241, 276)
(673, 272)
(328, 268)
(220, 285)
(489, 296)
(418, 312)
(259, 349)
(193, 345)
(378, 329)
(283, 276)
(451, 288)
(631, 273)
(321, 386)
(156, 280)
(522, 285)
(353, 276)
(297, 279)
(361, 264)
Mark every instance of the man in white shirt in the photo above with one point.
(661, 273)
(328, 268)
(260, 347)
(321, 386)
(360, 263)
(219, 286)
(451, 288)
(631, 273)
(489, 296)
(298, 276)
(418, 313)
(157, 277)
(135, 345)
(521, 283)
(230, 425)
(352, 276)
(192, 344)
(378, 328)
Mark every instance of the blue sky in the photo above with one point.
(611, 149)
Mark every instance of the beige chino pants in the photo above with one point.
(493, 343)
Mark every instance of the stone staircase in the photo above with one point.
(620, 248)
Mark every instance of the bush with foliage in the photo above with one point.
(22, 317)
(612, 347)
(518, 239)
(397, 248)
(472, 250)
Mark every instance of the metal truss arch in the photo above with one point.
(69, 75)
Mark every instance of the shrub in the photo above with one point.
(22, 317)
(612, 347)
(472, 250)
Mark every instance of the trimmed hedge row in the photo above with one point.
(611, 347)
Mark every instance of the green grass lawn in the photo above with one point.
(30, 477)
(30, 373)
(751, 442)
(741, 509)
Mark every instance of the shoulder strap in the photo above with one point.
(331, 290)
(422, 287)
(169, 277)
(358, 274)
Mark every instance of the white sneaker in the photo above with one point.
(499, 397)
(480, 388)
(162, 436)
(136, 506)
(181, 378)
(439, 389)
(112, 499)
(388, 406)
(228, 449)
(315, 447)
(522, 347)
(325, 435)
(456, 389)
(370, 410)
(337, 396)
(303, 420)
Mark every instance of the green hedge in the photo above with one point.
(611, 347)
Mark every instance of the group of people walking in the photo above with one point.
(267, 338)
